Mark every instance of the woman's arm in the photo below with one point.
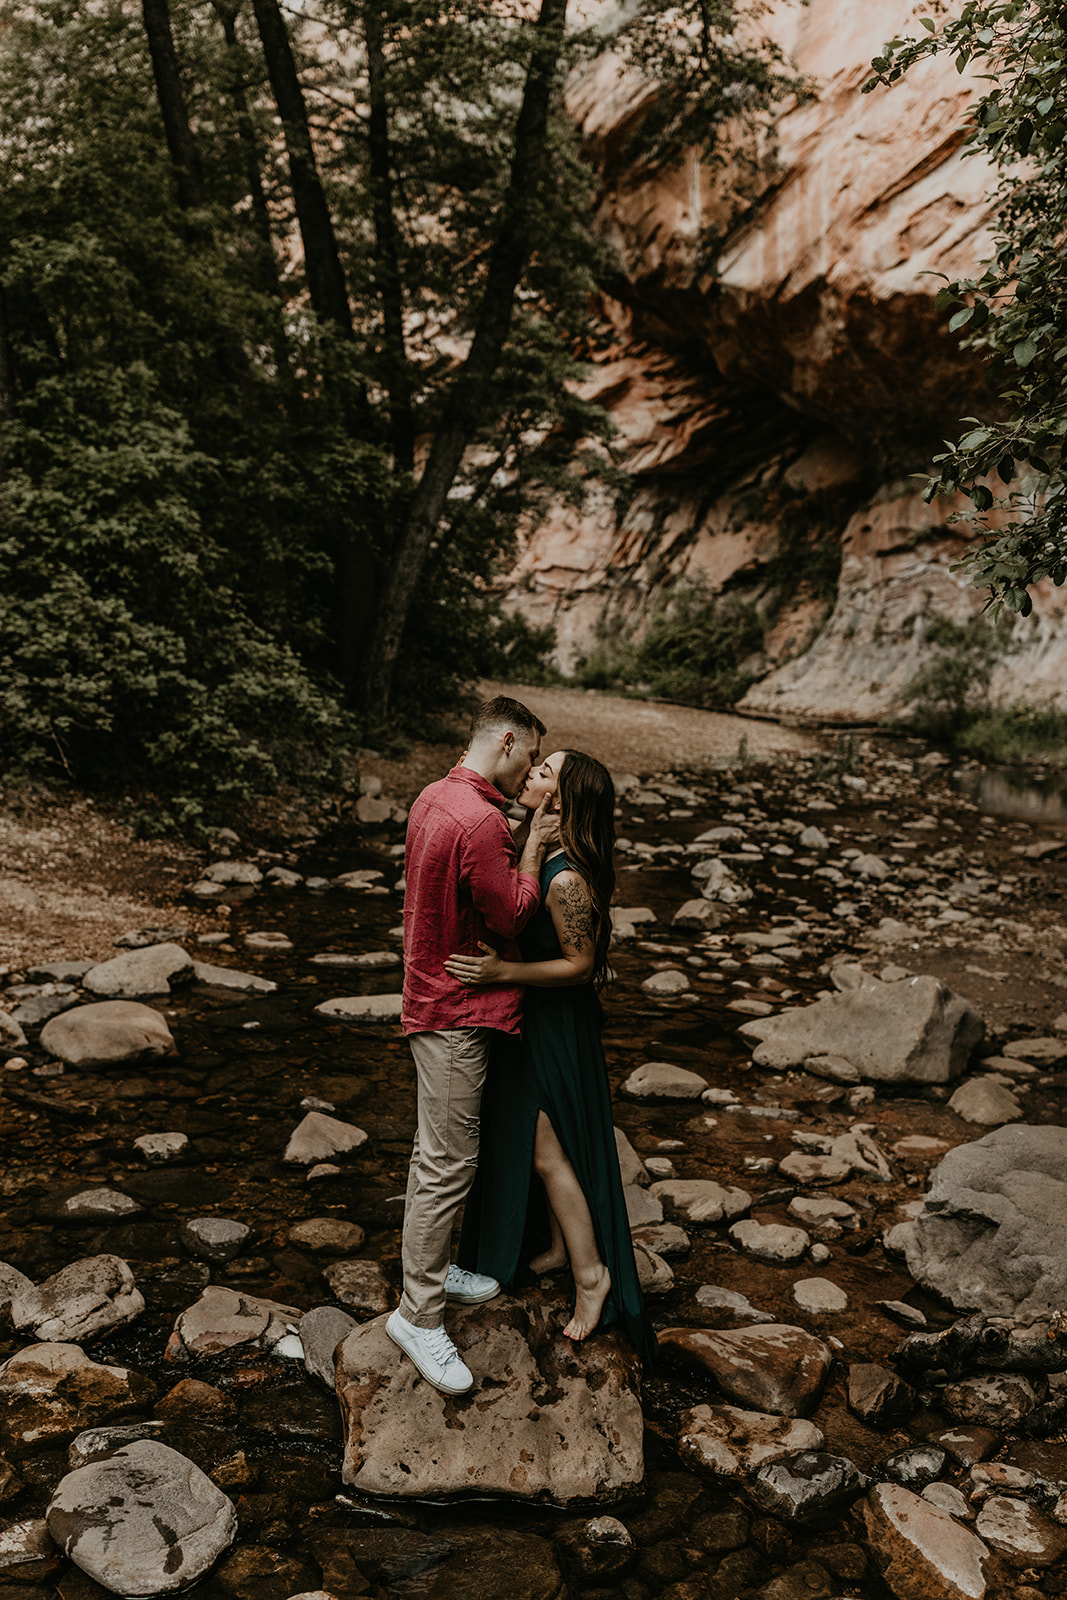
(569, 905)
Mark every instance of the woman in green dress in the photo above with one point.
(548, 1189)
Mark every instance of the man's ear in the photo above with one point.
(508, 743)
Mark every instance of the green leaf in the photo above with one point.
(982, 497)
(971, 441)
(1006, 468)
(959, 319)
(1024, 352)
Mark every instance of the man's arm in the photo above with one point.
(506, 895)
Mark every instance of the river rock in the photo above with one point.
(814, 1488)
(322, 1138)
(653, 1273)
(878, 1396)
(819, 1297)
(159, 1148)
(772, 1242)
(773, 1367)
(990, 1235)
(917, 1467)
(223, 1318)
(231, 978)
(668, 982)
(803, 1166)
(914, 1030)
(1045, 1052)
(361, 1286)
(643, 1209)
(1021, 1534)
(662, 1238)
(50, 1392)
(968, 1445)
(923, 1552)
(13, 1285)
(326, 1236)
(99, 1203)
(362, 1008)
(107, 1033)
(547, 1419)
(320, 1331)
(662, 1080)
(733, 1304)
(597, 1550)
(95, 1443)
(265, 939)
(985, 1101)
(11, 1034)
(216, 1239)
(697, 916)
(1000, 1400)
(700, 1200)
(76, 1305)
(948, 1498)
(137, 972)
(816, 1211)
(27, 1553)
(730, 1443)
(716, 881)
(144, 1521)
(237, 873)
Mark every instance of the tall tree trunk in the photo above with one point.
(388, 278)
(180, 142)
(465, 401)
(322, 260)
(7, 382)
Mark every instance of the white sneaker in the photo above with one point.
(433, 1352)
(470, 1288)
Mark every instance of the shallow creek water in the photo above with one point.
(245, 1065)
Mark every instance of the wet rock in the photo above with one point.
(50, 1392)
(911, 1031)
(990, 1236)
(668, 982)
(1044, 1052)
(857, 1149)
(320, 1332)
(363, 1008)
(900, 1312)
(154, 970)
(817, 1210)
(449, 1563)
(879, 1396)
(819, 1297)
(284, 878)
(76, 1305)
(546, 1419)
(984, 1101)
(696, 915)
(215, 1238)
(361, 1286)
(716, 881)
(244, 873)
(361, 880)
(837, 1069)
(662, 1238)
(599, 1549)
(230, 978)
(730, 1443)
(326, 1236)
(260, 1572)
(999, 1401)
(223, 1318)
(11, 1034)
(107, 1033)
(728, 1300)
(814, 1488)
(95, 1443)
(59, 971)
(967, 1445)
(100, 1203)
(804, 1167)
(923, 1552)
(159, 1148)
(916, 1468)
(322, 1138)
(662, 1080)
(1020, 1533)
(700, 1200)
(653, 1273)
(144, 1521)
(642, 1207)
(772, 1242)
(265, 939)
(198, 1402)
(27, 1552)
(13, 1284)
(772, 1367)
(948, 1498)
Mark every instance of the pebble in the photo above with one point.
(215, 1238)
(819, 1296)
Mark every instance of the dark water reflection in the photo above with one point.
(1015, 792)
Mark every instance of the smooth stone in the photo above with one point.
(59, 971)
(803, 1167)
(878, 1396)
(819, 1297)
(223, 1318)
(97, 1204)
(730, 1443)
(697, 915)
(600, 1549)
(816, 1210)
(547, 1419)
(153, 970)
(916, 1468)
(814, 1489)
(50, 1392)
(631, 1168)
(729, 1301)
(82, 1301)
(327, 1236)
(948, 1498)
(1020, 1533)
(700, 1200)
(239, 873)
(230, 978)
(94, 1443)
(42, 1007)
(161, 1147)
(362, 1008)
(27, 1552)
(322, 1138)
(922, 1551)
(900, 1312)
(145, 1521)
(1043, 1052)
(13, 1284)
(663, 1239)
(773, 1367)
(662, 1080)
(654, 1275)
(643, 1208)
(772, 1242)
(1000, 1400)
(967, 1445)
(717, 881)
(362, 879)
(983, 1101)
(668, 982)
(264, 939)
(284, 878)
(11, 1034)
(320, 1331)
(215, 1238)
(107, 1033)
(361, 1286)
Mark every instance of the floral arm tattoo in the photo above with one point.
(576, 915)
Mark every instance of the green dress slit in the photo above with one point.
(557, 1067)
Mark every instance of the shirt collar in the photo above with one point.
(487, 790)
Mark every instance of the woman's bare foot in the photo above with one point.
(588, 1304)
(548, 1261)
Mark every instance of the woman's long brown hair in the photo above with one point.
(586, 797)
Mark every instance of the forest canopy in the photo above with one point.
(294, 308)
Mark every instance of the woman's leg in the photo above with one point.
(592, 1281)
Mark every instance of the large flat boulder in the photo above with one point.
(990, 1234)
(136, 972)
(50, 1392)
(82, 1301)
(924, 1553)
(773, 1367)
(107, 1033)
(914, 1030)
(547, 1419)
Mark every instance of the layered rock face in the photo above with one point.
(757, 410)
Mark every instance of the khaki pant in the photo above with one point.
(450, 1067)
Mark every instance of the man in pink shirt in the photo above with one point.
(464, 888)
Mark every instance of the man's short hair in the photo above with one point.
(504, 713)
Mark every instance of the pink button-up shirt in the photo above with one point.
(462, 889)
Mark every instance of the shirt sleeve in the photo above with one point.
(505, 897)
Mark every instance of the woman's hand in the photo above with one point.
(476, 970)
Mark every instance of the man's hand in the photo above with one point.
(544, 825)
(476, 970)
